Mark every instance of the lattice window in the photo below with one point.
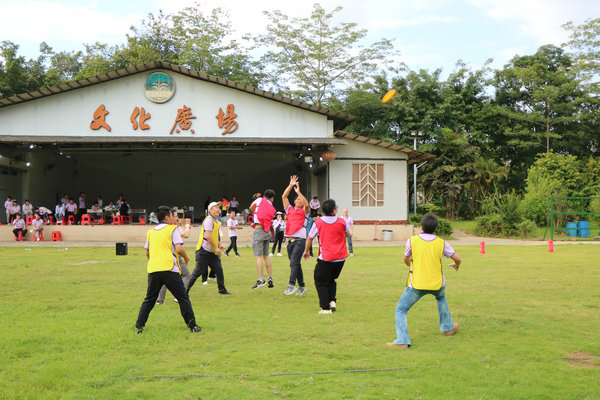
(367, 185)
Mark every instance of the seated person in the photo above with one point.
(70, 209)
(110, 210)
(59, 212)
(38, 226)
(44, 213)
(14, 210)
(27, 209)
(125, 210)
(19, 224)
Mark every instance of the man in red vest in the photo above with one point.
(264, 212)
(295, 232)
(332, 233)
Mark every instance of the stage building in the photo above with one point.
(158, 133)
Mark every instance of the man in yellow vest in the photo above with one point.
(163, 248)
(209, 249)
(425, 277)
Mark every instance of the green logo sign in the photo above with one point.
(159, 87)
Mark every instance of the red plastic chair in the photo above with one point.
(51, 220)
(56, 236)
(86, 219)
(71, 220)
(29, 220)
(142, 221)
(19, 237)
(117, 220)
(40, 236)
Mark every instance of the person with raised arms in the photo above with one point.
(295, 233)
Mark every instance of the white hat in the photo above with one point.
(211, 205)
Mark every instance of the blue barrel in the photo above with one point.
(583, 229)
(571, 228)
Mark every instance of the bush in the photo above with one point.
(488, 225)
(527, 227)
(444, 227)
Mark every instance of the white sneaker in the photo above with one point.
(270, 254)
(290, 290)
(279, 255)
(351, 254)
(325, 312)
(332, 305)
(175, 300)
(301, 291)
(205, 283)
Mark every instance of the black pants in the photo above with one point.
(22, 230)
(233, 245)
(173, 282)
(203, 260)
(278, 241)
(80, 212)
(326, 272)
(295, 249)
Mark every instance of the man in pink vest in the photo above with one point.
(263, 211)
(332, 233)
(295, 233)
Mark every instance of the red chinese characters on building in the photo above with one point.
(226, 120)
(99, 119)
(183, 119)
(143, 118)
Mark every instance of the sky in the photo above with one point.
(429, 34)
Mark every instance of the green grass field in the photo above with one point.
(67, 321)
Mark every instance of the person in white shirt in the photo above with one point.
(349, 223)
(279, 229)
(38, 227)
(232, 227)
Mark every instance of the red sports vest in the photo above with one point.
(265, 214)
(295, 220)
(332, 240)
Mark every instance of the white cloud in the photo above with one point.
(539, 19)
(51, 20)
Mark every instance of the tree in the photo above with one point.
(313, 57)
(16, 74)
(585, 40)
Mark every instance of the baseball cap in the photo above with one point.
(211, 205)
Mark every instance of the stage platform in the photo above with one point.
(134, 233)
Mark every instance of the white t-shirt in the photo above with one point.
(232, 227)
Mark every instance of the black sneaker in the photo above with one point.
(139, 330)
(259, 283)
(160, 303)
(271, 283)
(224, 292)
(195, 329)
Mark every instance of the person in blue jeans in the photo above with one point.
(423, 254)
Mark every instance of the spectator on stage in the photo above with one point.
(59, 212)
(27, 209)
(65, 199)
(81, 207)
(110, 210)
(19, 226)
(70, 209)
(99, 201)
(14, 210)
(119, 202)
(234, 205)
(124, 210)
(314, 206)
(7, 206)
(44, 213)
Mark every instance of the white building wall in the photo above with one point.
(70, 113)
(395, 181)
